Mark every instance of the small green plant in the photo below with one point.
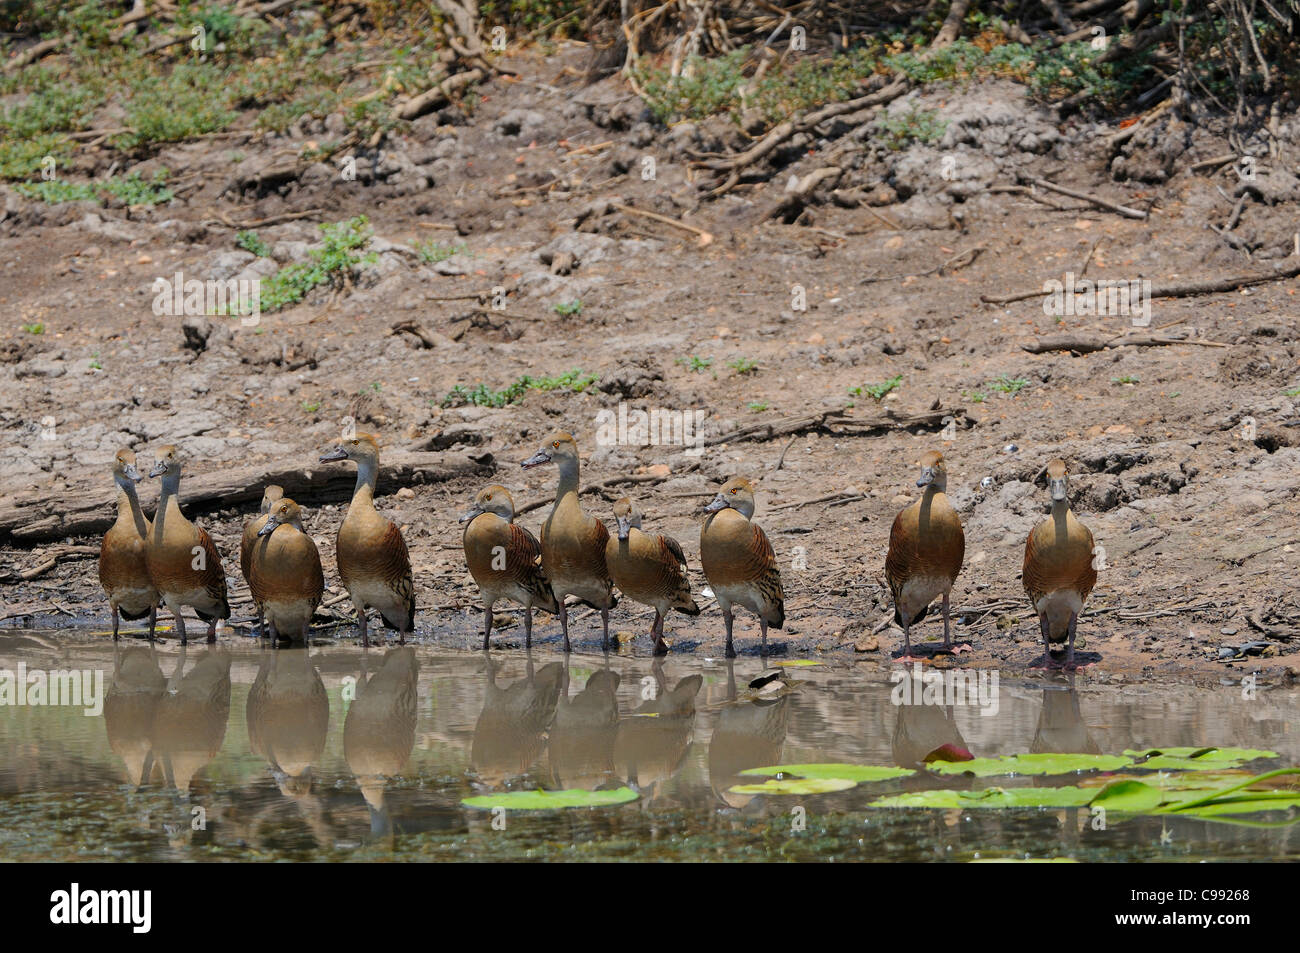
(743, 366)
(876, 392)
(311, 406)
(36, 328)
(758, 406)
(915, 125)
(1293, 392)
(327, 265)
(130, 190)
(95, 364)
(480, 395)
(1008, 385)
(1126, 379)
(695, 363)
(567, 308)
(432, 252)
(374, 387)
(975, 396)
(250, 242)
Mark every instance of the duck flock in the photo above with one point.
(171, 561)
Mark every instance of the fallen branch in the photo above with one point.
(836, 421)
(1087, 344)
(959, 260)
(1085, 197)
(1180, 290)
(702, 237)
(84, 510)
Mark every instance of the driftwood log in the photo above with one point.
(83, 510)
(838, 421)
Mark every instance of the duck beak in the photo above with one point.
(927, 476)
(158, 470)
(471, 513)
(624, 526)
(719, 503)
(132, 473)
(1058, 489)
(337, 453)
(269, 528)
(536, 460)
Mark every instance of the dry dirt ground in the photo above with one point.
(1183, 457)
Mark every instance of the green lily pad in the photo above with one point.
(1197, 759)
(550, 800)
(1129, 796)
(1033, 764)
(797, 663)
(989, 798)
(848, 772)
(796, 786)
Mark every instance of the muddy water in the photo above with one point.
(239, 752)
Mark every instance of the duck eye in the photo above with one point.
(555, 444)
(733, 491)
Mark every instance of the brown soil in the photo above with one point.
(1198, 523)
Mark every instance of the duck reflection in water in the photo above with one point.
(190, 720)
(510, 733)
(920, 730)
(749, 733)
(131, 708)
(379, 731)
(1061, 728)
(580, 749)
(288, 715)
(650, 744)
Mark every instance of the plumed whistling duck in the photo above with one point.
(926, 549)
(373, 561)
(272, 493)
(504, 559)
(285, 573)
(648, 569)
(1058, 573)
(123, 572)
(573, 543)
(183, 562)
(738, 560)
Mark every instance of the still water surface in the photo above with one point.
(239, 752)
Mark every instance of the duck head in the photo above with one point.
(492, 499)
(559, 448)
(736, 494)
(627, 515)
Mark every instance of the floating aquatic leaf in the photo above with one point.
(1129, 796)
(1033, 764)
(989, 798)
(948, 752)
(550, 800)
(795, 786)
(798, 663)
(1197, 759)
(848, 772)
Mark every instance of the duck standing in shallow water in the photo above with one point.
(649, 569)
(123, 570)
(573, 543)
(504, 559)
(926, 549)
(374, 564)
(1058, 573)
(285, 574)
(738, 560)
(183, 562)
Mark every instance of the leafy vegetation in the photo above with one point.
(328, 265)
(695, 363)
(432, 251)
(480, 395)
(249, 241)
(876, 392)
(132, 189)
(1011, 386)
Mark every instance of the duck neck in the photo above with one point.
(568, 479)
(169, 497)
(367, 476)
(128, 502)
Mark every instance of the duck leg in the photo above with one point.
(361, 624)
(212, 631)
(1048, 661)
(528, 627)
(274, 637)
(153, 621)
(728, 619)
(762, 629)
(487, 625)
(564, 623)
(947, 624)
(604, 630)
(114, 623)
(657, 632)
(180, 624)
(1069, 652)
